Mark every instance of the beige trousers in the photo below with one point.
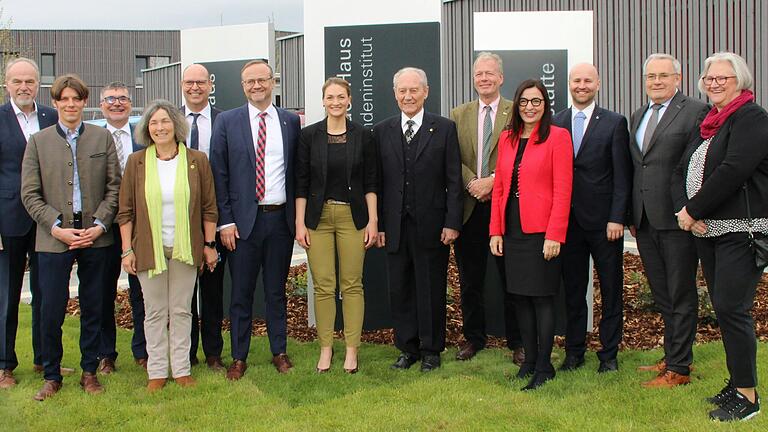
(336, 233)
(168, 318)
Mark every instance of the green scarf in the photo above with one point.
(182, 244)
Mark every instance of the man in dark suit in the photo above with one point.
(70, 180)
(479, 125)
(19, 118)
(116, 106)
(658, 136)
(602, 181)
(420, 217)
(200, 115)
(252, 150)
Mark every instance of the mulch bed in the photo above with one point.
(643, 328)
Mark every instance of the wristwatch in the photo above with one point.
(210, 244)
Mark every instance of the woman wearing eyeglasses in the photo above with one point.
(721, 191)
(529, 218)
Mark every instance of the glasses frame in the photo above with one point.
(189, 84)
(122, 99)
(523, 102)
(660, 76)
(260, 81)
(720, 80)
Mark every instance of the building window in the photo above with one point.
(47, 68)
(142, 62)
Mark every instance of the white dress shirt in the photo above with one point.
(481, 125)
(418, 119)
(587, 112)
(204, 128)
(639, 136)
(274, 160)
(28, 123)
(125, 142)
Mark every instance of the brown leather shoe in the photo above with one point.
(142, 363)
(236, 370)
(186, 381)
(155, 384)
(667, 379)
(518, 356)
(49, 389)
(64, 371)
(282, 363)
(90, 383)
(106, 366)
(659, 366)
(215, 364)
(466, 352)
(6, 379)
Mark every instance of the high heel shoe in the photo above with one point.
(320, 371)
(351, 371)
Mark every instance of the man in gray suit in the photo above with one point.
(659, 134)
(70, 179)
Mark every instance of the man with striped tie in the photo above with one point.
(252, 150)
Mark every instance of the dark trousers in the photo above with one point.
(269, 247)
(108, 332)
(417, 289)
(732, 277)
(208, 308)
(536, 316)
(54, 288)
(608, 259)
(670, 261)
(471, 251)
(13, 259)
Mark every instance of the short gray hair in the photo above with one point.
(740, 69)
(486, 55)
(662, 56)
(21, 60)
(422, 75)
(114, 85)
(180, 127)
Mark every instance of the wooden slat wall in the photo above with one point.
(291, 53)
(97, 56)
(163, 83)
(626, 32)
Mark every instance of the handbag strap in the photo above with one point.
(749, 212)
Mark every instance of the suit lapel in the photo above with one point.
(351, 147)
(395, 139)
(674, 108)
(502, 118)
(18, 135)
(426, 131)
(248, 135)
(474, 109)
(287, 153)
(593, 124)
(320, 142)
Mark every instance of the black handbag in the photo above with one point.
(758, 242)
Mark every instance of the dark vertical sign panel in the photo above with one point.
(226, 90)
(368, 57)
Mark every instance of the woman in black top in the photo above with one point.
(721, 189)
(336, 179)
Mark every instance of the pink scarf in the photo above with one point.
(715, 118)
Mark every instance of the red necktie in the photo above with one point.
(261, 147)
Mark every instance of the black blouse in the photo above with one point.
(336, 183)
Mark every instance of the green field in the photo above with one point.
(472, 396)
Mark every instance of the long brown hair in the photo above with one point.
(516, 123)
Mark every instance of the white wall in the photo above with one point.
(328, 13)
(235, 42)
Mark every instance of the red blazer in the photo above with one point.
(544, 184)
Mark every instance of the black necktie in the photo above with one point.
(195, 135)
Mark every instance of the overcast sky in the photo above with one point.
(149, 14)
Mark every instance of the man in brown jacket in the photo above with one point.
(70, 179)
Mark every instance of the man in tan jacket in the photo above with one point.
(479, 124)
(70, 179)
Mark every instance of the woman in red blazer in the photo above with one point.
(529, 218)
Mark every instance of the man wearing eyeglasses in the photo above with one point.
(200, 115)
(20, 117)
(252, 150)
(115, 104)
(659, 133)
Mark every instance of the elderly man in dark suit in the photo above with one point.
(252, 150)
(20, 117)
(70, 180)
(659, 134)
(479, 125)
(420, 217)
(115, 103)
(200, 115)
(602, 182)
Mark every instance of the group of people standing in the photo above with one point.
(190, 188)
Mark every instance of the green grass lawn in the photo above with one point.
(474, 396)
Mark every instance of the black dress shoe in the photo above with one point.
(611, 365)
(430, 362)
(466, 352)
(525, 371)
(538, 379)
(572, 363)
(405, 361)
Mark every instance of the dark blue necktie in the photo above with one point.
(195, 135)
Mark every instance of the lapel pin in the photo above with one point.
(431, 130)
